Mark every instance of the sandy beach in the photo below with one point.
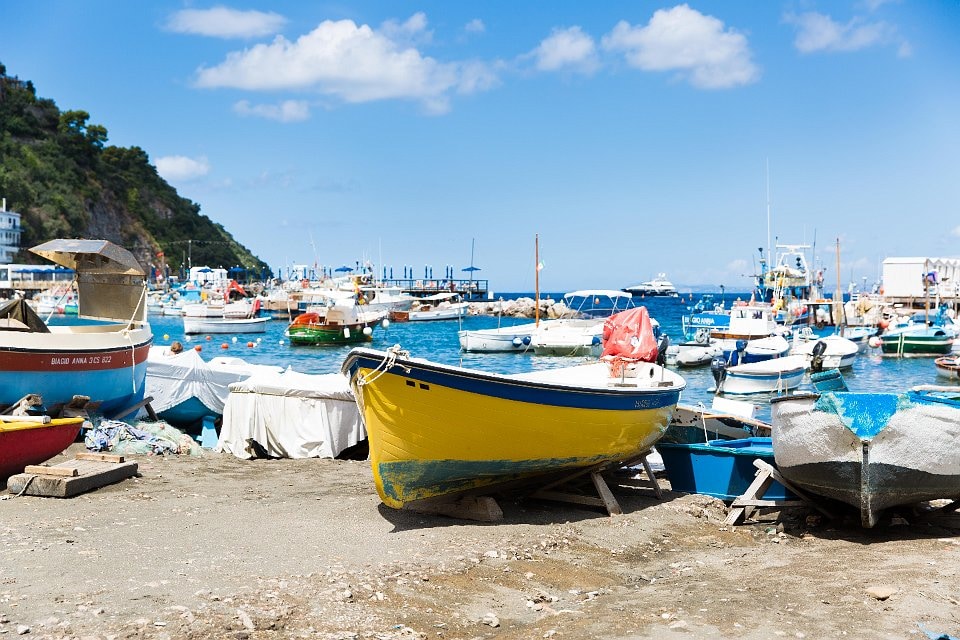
(217, 547)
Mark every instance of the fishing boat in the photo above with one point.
(438, 430)
(441, 306)
(916, 340)
(703, 317)
(948, 367)
(106, 361)
(724, 419)
(341, 321)
(870, 450)
(776, 375)
(26, 440)
(659, 286)
(694, 354)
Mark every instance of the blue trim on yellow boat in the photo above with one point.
(617, 399)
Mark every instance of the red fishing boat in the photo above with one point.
(23, 443)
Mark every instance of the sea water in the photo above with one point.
(437, 341)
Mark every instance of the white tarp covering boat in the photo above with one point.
(175, 378)
(291, 415)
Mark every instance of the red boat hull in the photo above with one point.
(25, 443)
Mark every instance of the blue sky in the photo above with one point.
(633, 137)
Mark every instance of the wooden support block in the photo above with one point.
(479, 508)
(757, 488)
(748, 502)
(573, 498)
(609, 502)
(92, 475)
(99, 457)
(760, 464)
(41, 470)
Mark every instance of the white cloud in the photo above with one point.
(182, 168)
(567, 49)
(354, 63)
(412, 31)
(286, 111)
(819, 32)
(682, 39)
(475, 26)
(223, 22)
(477, 76)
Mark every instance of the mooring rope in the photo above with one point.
(394, 352)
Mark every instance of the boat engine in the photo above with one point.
(816, 360)
(718, 367)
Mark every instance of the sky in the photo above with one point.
(632, 138)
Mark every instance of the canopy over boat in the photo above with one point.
(110, 281)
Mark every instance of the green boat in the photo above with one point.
(917, 340)
(339, 324)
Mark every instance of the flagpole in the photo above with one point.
(536, 269)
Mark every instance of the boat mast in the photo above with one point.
(536, 279)
(838, 296)
(769, 255)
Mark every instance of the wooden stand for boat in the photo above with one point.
(744, 506)
(605, 498)
(86, 472)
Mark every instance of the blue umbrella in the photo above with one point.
(343, 268)
(471, 268)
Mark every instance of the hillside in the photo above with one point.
(57, 171)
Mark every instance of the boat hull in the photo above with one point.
(871, 451)
(25, 443)
(777, 375)
(318, 335)
(109, 367)
(907, 344)
(497, 340)
(194, 325)
(436, 430)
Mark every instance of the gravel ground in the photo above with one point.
(217, 547)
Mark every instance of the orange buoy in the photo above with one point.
(225, 346)
(249, 344)
(198, 348)
(209, 337)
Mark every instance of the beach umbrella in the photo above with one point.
(342, 269)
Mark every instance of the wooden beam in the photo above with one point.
(99, 457)
(41, 470)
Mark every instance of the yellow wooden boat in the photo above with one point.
(438, 430)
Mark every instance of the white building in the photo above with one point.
(905, 277)
(9, 233)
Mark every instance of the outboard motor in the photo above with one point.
(662, 350)
(816, 361)
(718, 367)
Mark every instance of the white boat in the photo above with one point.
(776, 375)
(581, 336)
(514, 338)
(192, 326)
(441, 306)
(694, 354)
(659, 286)
(839, 352)
(568, 337)
(386, 299)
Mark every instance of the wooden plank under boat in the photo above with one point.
(437, 430)
(870, 450)
(30, 442)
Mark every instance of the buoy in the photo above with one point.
(367, 331)
(385, 323)
(346, 332)
(224, 346)
(188, 338)
(258, 340)
(526, 340)
(234, 339)
(874, 341)
(198, 348)
(250, 344)
(166, 336)
(517, 341)
(209, 337)
(281, 343)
